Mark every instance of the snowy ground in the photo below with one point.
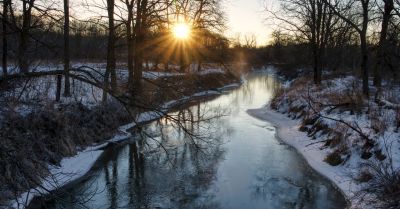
(288, 132)
(44, 89)
(300, 101)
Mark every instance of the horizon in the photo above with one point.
(253, 23)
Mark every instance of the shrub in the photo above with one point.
(378, 124)
(30, 143)
(385, 184)
(335, 139)
(364, 176)
(334, 159)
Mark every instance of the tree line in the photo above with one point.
(131, 31)
(362, 34)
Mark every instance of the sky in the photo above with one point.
(247, 17)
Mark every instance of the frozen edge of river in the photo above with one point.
(75, 167)
(288, 132)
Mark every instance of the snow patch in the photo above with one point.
(287, 131)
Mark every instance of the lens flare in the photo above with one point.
(181, 31)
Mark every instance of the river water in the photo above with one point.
(210, 155)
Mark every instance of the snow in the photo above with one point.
(287, 130)
(293, 102)
(231, 86)
(100, 67)
(207, 93)
(155, 75)
(211, 71)
(43, 89)
(73, 168)
(70, 170)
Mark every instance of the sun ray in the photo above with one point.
(181, 31)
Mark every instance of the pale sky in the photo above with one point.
(247, 17)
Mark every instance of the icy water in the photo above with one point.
(210, 155)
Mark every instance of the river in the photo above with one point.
(210, 155)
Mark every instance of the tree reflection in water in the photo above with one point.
(170, 164)
(186, 161)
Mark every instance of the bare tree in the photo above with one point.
(312, 21)
(27, 6)
(321, 26)
(206, 19)
(383, 45)
(67, 91)
(250, 41)
(140, 30)
(5, 46)
(111, 60)
(130, 39)
(358, 19)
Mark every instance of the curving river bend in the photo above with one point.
(210, 155)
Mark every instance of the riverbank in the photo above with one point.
(288, 132)
(352, 141)
(82, 154)
(233, 162)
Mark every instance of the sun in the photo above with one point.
(181, 31)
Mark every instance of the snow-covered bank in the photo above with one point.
(352, 140)
(73, 168)
(70, 169)
(288, 132)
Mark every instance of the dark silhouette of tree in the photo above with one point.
(358, 18)
(67, 91)
(383, 43)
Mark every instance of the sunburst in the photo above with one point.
(181, 31)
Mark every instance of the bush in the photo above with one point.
(334, 159)
(30, 143)
(364, 176)
(385, 184)
(377, 121)
(335, 138)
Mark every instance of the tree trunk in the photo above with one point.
(130, 44)
(5, 47)
(106, 85)
(317, 64)
(67, 90)
(315, 39)
(111, 45)
(364, 65)
(166, 66)
(364, 48)
(389, 6)
(58, 88)
(182, 61)
(199, 65)
(23, 45)
(363, 38)
(139, 44)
